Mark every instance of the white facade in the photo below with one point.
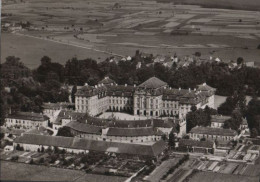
(24, 123)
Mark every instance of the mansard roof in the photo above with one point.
(84, 128)
(219, 118)
(195, 143)
(107, 81)
(213, 131)
(208, 90)
(132, 132)
(153, 83)
(28, 116)
(120, 90)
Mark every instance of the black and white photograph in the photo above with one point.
(130, 91)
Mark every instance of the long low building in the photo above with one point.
(213, 133)
(112, 134)
(189, 145)
(26, 120)
(32, 142)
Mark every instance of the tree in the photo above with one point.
(240, 60)
(254, 133)
(42, 149)
(45, 60)
(197, 54)
(193, 108)
(253, 115)
(171, 142)
(41, 160)
(64, 131)
(73, 92)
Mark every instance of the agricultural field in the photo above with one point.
(25, 172)
(121, 27)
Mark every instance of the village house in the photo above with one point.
(209, 133)
(26, 120)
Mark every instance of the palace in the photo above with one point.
(153, 98)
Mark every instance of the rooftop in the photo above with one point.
(85, 128)
(153, 149)
(60, 105)
(153, 83)
(219, 118)
(195, 143)
(107, 81)
(213, 131)
(132, 132)
(28, 116)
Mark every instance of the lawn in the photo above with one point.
(121, 116)
(25, 172)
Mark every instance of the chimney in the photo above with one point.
(170, 88)
(194, 89)
(134, 85)
(179, 88)
(125, 85)
(204, 84)
(111, 83)
(189, 89)
(95, 86)
(86, 84)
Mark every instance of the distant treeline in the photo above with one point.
(251, 5)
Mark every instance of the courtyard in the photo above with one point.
(121, 116)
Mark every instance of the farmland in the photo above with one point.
(25, 172)
(121, 27)
(229, 4)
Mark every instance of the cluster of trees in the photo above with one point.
(235, 106)
(218, 75)
(235, 121)
(236, 101)
(253, 116)
(26, 91)
(199, 117)
(65, 131)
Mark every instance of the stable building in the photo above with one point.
(78, 145)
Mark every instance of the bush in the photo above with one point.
(41, 160)
(14, 158)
